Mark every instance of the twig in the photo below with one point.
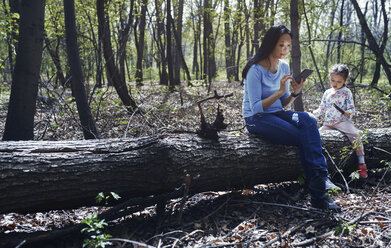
(291, 230)
(375, 222)
(165, 234)
(379, 149)
(212, 213)
(186, 236)
(216, 96)
(287, 206)
(312, 240)
(21, 243)
(337, 169)
(138, 244)
(359, 217)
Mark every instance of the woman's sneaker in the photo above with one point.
(326, 204)
(362, 170)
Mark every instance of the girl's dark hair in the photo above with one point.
(269, 41)
(340, 69)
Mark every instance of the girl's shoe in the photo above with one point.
(362, 170)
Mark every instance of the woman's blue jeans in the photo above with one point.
(279, 128)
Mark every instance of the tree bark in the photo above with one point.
(51, 174)
(209, 53)
(113, 73)
(21, 110)
(375, 48)
(229, 59)
(171, 82)
(139, 40)
(160, 42)
(177, 27)
(340, 32)
(77, 83)
(296, 52)
(56, 60)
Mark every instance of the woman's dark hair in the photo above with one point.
(340, 69)
(269, 41)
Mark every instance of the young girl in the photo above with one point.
(266, 93)
(338, 96)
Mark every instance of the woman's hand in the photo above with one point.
(297, 86)
(283, 83)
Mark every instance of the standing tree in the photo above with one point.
(139, 39)
(209, 54)
(296, 53)
(375, 48)
(177, 25)
(160, 42)
(123, 39)
(229, 55)
(12, 13)
(169, 45)
(113, 73)
(77, 82)
(22, 105)
(340, 32)
(195, 16)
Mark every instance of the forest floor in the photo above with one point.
(272, 215)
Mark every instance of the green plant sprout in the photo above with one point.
(95, 227)
(100, 197)
(343, 228)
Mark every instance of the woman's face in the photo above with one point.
(283, 47)
(336, 81)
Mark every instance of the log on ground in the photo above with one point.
(43, 175)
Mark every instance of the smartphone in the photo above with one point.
(338, 108)
(303, 75)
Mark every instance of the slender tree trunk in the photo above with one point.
(209, 59)
(310, 48)
(177, 25)
(22, 105)
(257, 23)
(376, 49)
(140, 41)
(160, 42)
(229, 63)
(247, 33)
(363, 40)
(11, 37)
(179, 58)
(296, 52)
(340, 32)
(77, 86)
(113, 73)
(197, 32)
(123, 40)
(240, 45)
(56, 61)
(333, 10)
(169, 46)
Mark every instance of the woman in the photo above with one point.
(266, 93)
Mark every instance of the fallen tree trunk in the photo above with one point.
(42, 175)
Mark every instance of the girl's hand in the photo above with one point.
(347, 114)
(283, 83)
(297, 86)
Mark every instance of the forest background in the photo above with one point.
(86, 69)
(95, 64)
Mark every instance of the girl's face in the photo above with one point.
(283, 47)
(337, 81)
